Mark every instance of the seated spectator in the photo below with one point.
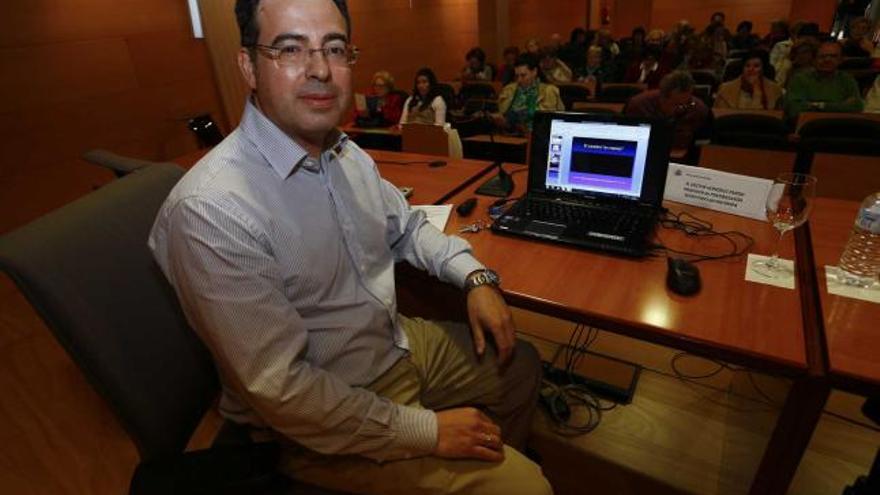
(752, 91)
(555, 71)
(800, 31)
(702, 55)
(648, 71)
(533, 46)
(872, 101)
(655, 38)
(778, 32)
(605, 41)
(681, 43)
(633, 47)
(519, 101)
(823, 89)
(859, 43)
(426, 105)
(477, 69)
(573, 51)
(744, 39)
(384, 105)
(505, 73)
(715, 36)
(673, 100)
(595, 71)
(801, 57)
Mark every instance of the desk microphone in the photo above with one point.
(501, 185)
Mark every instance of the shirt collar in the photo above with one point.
(283, 153)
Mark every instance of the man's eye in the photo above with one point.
(335, 50)
(290, 50)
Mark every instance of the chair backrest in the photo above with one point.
(705, 78)
(750, 130)
(619, 92)
(477, 89)
(571, 93)
(428, 140)
(841, 176)
(747, 161)
(732, 69)
(448, 94)
(89, 274)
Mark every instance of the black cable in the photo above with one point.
(696, 227)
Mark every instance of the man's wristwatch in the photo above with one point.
(481, 277)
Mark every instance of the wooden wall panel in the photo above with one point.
(530, 19)
(77, 75)
(820, 11)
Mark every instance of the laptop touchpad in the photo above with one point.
(545, 229)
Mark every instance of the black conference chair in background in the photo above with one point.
(843, 154)
(571, 93)
(841, 135)
(750, 131)
(87, 271)
(206, 131)
(619, 93)
(705, 78)
(476, 90)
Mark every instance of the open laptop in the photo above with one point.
(595, 181)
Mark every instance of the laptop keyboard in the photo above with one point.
(621, 222)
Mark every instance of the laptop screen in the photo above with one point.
(597, 157)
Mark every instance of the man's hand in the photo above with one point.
(488, 312)
(467, 433)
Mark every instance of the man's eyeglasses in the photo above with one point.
(336, 54)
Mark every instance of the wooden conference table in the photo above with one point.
(755, 325)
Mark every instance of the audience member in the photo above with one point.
(519, 101)
(801, 57)
(778, 32)
(800, 30)
(673, 100)
(752, 91)
(655, 38)
(554, 70)
(872, 101)
(477, 69)
(533, 46)
(385, 106)
(426, 105)
(859, 43)
(632, 48)
(648, 70)
(595, 71)
(605, 41)
(716, 36)
(505, 73)
(823, 89)
(573, 51)
(681, 42)
(744, 39)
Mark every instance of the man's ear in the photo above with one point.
(248, 67)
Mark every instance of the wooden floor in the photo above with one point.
(58, 437)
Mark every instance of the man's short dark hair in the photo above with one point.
(679, 80)
(527, 59)
(246, 15)
(476, 53)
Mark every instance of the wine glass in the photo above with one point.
(788, 206)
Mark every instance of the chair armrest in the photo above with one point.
(119, 165)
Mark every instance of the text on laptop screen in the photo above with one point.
(597, 157)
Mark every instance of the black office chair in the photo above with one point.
(89, 274)
(750, 131)
(850, 63)
(118, 164)
(571, 93)
(705, 78)
(447, 92)
(852, 136)
(476, 90)
(618, 93)
(870, 484)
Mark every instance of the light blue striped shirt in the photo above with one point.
(284, 266)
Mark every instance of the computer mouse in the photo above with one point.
(466, 207)
(682, 277)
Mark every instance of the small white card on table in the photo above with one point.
(720, 191)
(836, 287)
(784, 279)
(437, 215)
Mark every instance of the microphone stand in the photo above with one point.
(501, 185)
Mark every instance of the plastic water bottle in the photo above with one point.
(860, 262)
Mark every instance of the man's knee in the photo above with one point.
(528, 364)
(516, 475)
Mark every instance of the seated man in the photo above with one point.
(859, 43)
(281, 244)
(673, 100)
(519, 100)
(823, 89)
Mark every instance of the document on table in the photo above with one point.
(437, 215)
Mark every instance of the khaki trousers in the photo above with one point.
(442, 372)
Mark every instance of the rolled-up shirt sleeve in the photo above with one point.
(413, 239)
(232, 292)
